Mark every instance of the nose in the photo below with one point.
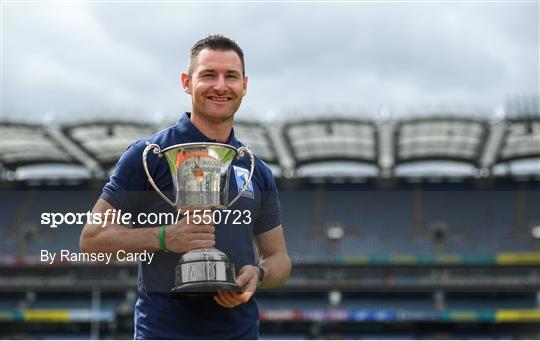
(219, 84)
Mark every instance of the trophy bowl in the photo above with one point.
(200, 174)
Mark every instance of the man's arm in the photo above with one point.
(274, 258)
(180, 237)
(274, 261)
(113, 237)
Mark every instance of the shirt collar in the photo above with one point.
(190, 133)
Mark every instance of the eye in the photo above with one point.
(206, 75)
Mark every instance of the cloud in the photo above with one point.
(77, 59)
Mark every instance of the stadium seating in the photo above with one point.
(425, 220)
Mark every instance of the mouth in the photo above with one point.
(219, 99)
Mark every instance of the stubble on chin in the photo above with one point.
(218, 117)
(213, 117)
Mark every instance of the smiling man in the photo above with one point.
(217, 83)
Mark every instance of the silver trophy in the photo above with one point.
(200, 174)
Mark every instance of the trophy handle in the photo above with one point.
(157, 150)
(241, 152)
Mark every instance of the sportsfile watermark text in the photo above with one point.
(113, 216)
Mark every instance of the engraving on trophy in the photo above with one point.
(199, 181)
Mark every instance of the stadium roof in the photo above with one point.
(440, 138)
(255, 135)
(25, 144)
(382, 145)
(521, 140)
(321, 140)
(105, 141)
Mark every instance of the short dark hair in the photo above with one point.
(215, 42)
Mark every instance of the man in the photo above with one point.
(216, 82)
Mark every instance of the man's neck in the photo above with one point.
(214, 130)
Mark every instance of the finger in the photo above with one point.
(245, 296)
(200, 236)
(206, 229)
(229, 298)
(235, 296)
(226, 298)
(201, 244)
(250, 286)
(243, 278)
(200, 228)
(220, 302)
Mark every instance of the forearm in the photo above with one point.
(112, 238)
(277, 269)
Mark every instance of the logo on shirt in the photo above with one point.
(242, 175)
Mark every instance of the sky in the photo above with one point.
(81, 61)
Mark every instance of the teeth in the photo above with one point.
(219, 99)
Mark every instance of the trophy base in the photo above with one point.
(204, 272)
(203, 289)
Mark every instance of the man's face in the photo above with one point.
(216, 84)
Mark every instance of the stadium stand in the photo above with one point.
(392, 254)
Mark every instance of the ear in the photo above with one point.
(245, 81)
(186, 82)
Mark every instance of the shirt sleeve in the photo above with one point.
(270, 212)
(126, 186)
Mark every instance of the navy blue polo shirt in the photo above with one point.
(158, 316)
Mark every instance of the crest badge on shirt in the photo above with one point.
(241, 175)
